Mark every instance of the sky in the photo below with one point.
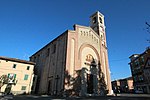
(28, 25)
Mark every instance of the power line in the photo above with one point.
(119, 60)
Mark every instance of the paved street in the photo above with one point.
(45, 97)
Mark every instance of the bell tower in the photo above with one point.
(97, 24)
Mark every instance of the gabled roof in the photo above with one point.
(16, 60)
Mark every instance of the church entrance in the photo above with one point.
(90, 83)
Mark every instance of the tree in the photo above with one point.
(148, 29)
(102, 87)
(3, 80)
(72, 83)
(75, 83)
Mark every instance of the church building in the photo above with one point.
(76, 62)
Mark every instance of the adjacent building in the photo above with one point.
(19, 72)
(126, 85)
(146, 72)
(116, 85)
(140, 70)
(123, 85)
(76, 56)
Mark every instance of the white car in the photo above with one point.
(138, 91)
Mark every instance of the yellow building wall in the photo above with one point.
(6, 67)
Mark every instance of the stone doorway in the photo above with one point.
(90, 83)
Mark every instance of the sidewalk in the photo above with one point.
(134, 95)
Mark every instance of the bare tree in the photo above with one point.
(73, 83)
(148, 29)
(3, 80)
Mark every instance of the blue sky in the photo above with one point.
(28, 25)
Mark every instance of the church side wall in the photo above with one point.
(51, 65)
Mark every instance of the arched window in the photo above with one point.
(94, 20)
(100, 19)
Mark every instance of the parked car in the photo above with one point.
(1, 94)
(139, 91)
(4, 96)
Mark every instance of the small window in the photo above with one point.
(28, 67)
(94, 20)
(100, 19)
(14, 66)
(142, 58)
(26, 77)
(53, 48)
(34, 59)
(47, 52)
(23, 88)
(12, 76)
